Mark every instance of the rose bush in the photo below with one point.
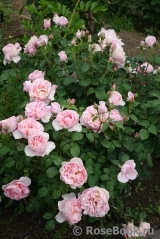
(77, 118)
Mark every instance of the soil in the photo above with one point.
(145, 196)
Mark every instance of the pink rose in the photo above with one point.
(27, 127)
(127, 171)
(73, 173)
(62, 21)
(143, 229)
(47, 23)
(42, 40)
(11, 53)
(38, 145)
(130, 96)
(55, 108)
(67, 119)
(115, 98)
(107, 35)
(62, 55)
(94, 201)
(36, 75)
(118, 56)
(70, 209)
(150, 40)
(115, 115)
(130, 230)
(148, 68)
(79, 34)
(8, 125)
(92, 119)
(73, 42)
(17, 189)
(38, 110)
(56, 18)
(41, 90)
(102, 109)
(30, 47)
(26, 85)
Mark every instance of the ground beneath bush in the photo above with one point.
(145, 195)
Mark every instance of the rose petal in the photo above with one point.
(50, 147)
(47, 117)
(59, 217)
(25, 180)
(56, 125)
(132, 175)
(122, 178)
(29, 152)
(77, 127)
(17, 134)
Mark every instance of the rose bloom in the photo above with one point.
(38, 110)
(67, 119)
(92, 119)
(115, 115)
(11, 53)
(27, 127)
(30, 47)
(102, 109)
(115, 98)
(73, 173)
(36, 75)
(26, 85)
(130, 230)
(62, 55)
(38, 145)
(8, 125)
(47, 23)
(143, 229)
(148, 68)
(118, 56)
(62, 21)
(150, 40)
(128, 171)
(130, 96)
(107, 35)
(42, 90)
(70, 209)
(42, 40)
(94, 201)
(17, 189)
(55, 108)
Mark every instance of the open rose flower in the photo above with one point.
(94, 201)
(60, 21)
(42, 90)
(42, 40)
(17, 189)
(8, 125)
(11, 53)
(36, 75)
(107, 35)
(38, 111)
(27, 127)
(67, 119)
(55, 108)
(31, 47)
(115, 115)
(150, 40)
(130, 230)
(143, 229)
(73, 173)
(145, 68)
(115, 98)
(128, 171)
(70, 209)
(92, 119)
(118, 56)
(38, 145)
(47, 23)
(62, 55)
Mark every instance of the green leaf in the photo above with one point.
(142, 215)
(106, 143)
(85, 82)
(101, 95)
(77, 136)
(149, 161)
(48, 162)
(90, 136)
(128, 144)
(87, 6)
(134, 118)
(75, 151)
(90, 91)
(50, 225)
(93, 180)
(105, 126)
(4, 150)
(94, 4)
(43, 191)
(115, 162)
(118, 124)
(143, 134)
(48, 215)
(68, 80)
(117, 143)
(152, 129)
(56, 193)
(85, 67)
(105, 177)
(9, 162)
(51, 172)
(57, 161)
(82, 5)
(155, 93)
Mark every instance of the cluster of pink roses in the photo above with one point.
(149, 41)
(34, 42)
(11, 53)
(92, 201)
(109, 38)
(131, 231)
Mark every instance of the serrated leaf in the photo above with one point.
(85, 67)
(85, 82)
(106, 143)
(152, 129)
(75, 151)
(50, 225)
(118, 124)
(105, 177)
(77, 136)
(143, 134)
(87, 6)
(134, 118)
(90, 136)
(94, 4)
(48, 215)
(51, 172)
(42, 192)
(9, 162)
